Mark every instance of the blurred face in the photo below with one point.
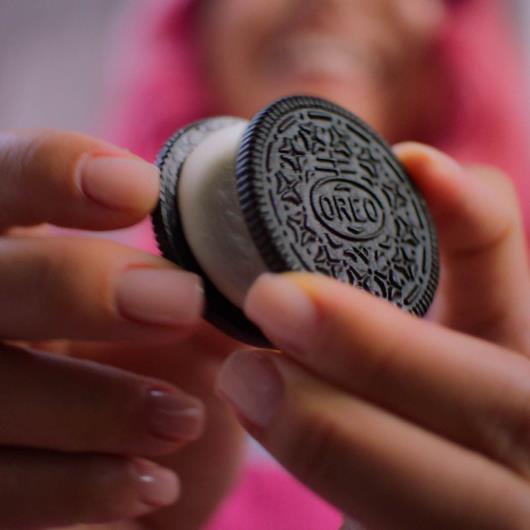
(371, 56)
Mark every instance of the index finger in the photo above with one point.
(72, 180)
(388, 472)
(460, 387)
(485, 274)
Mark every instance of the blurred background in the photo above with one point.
(54, 60)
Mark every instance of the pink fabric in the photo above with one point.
(160, 90)
(268, 499)
(491, 114)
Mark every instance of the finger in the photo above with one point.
(350, 524)
(40, 489)
(118, 525)
(380, 469)
(54, 287)
(72, 180)
(32, 231)
(74, 405)
(462, 388)
(485, 273)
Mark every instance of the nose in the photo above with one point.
(423, 17)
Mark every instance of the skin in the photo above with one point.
(59, 297)
(60, 304)
(380, 53)
(368, 404)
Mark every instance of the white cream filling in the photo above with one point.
(211, 215)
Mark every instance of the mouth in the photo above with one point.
(321, 56)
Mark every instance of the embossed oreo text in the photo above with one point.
(347, 209)
(335, 201)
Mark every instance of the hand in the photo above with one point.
(405, 423)
(75, 435)
(208, 467)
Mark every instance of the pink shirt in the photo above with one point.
(267, 498)
(159, 90)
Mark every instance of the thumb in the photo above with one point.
(485, 281)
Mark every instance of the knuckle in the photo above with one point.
(515, 444)
(381, 367)
(40, 157)
(59, 271)
(53, 264)
(82, 260)
(15, 158)
(105, 489)
(37, 269)
(15, 151)
(122, 418)
(311, 448)
(507, 435)
(498, 181)
(514, 512)
(33, 157)
(491, 212)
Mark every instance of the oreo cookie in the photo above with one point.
(305, 186)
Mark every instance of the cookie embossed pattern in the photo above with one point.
(334, 200)
(314, 189)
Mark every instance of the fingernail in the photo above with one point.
(160, 296)
(156, 485)
(283, 311)
(441, 162)
(444, 163)
(252, 385)
(174, 417)
(117, 182)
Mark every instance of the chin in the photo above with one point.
(352, 96)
